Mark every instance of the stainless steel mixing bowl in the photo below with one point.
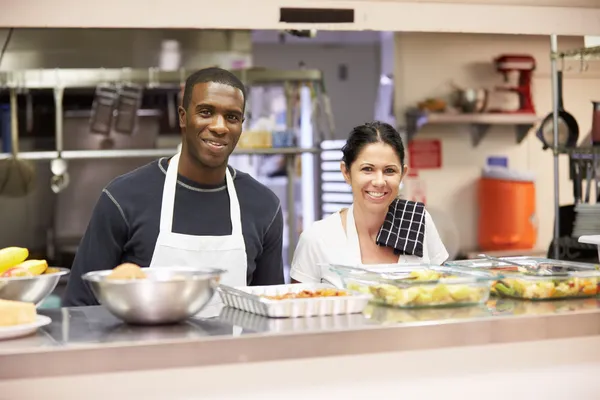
(31, 289)
(167, 295)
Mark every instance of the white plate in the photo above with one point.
(11, 332)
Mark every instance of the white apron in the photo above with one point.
(224, 252)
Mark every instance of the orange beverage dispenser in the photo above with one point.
(507, 215)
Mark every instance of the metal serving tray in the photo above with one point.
(248, 299)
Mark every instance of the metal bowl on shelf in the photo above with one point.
(166, 296)
(31, 289)
(471, 100)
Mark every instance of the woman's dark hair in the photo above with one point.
(371, 132)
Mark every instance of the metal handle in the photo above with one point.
(58, 104)
(14, 123)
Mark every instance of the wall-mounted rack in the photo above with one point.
(582, 54)
(149, 78)
(479, 124)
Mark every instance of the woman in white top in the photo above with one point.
(378, 228)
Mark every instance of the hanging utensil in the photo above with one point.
(575, 168)
(128, 105)
(58, 166)
(568, 129)
(588, 178)
(172, 110)
(103, 106)
(29, 112)
(17, 177)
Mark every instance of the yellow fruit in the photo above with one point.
(35, 267)
(11, 257)
(16, 272)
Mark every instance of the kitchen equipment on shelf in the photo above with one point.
(596, 123)
(432, 286)
(17, 177)
(568, 128)
(507, 210)
(524, 65)
(167, 295)
(252, 299)
(31, 289)
(470, 100)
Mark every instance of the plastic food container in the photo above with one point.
(418, 286)
(539, 278)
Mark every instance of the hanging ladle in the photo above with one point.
(58, 166)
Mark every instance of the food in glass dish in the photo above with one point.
(307, 294)
(544, 289)
(540, 278)
(426, 287)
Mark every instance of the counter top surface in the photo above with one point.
(76, 335)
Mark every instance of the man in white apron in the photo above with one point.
(224, 252)
(192, 210)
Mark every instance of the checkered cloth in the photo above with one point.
(404, 228)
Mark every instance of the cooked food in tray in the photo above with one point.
(418, 286)
(539, 278)
(14, 264)
(307, 294)
(278, 301)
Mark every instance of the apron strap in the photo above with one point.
(168, 199)
(353, 244)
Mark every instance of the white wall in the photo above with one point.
(425, 63)
(352, 100)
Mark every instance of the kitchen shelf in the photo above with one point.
(150, 78)
(479, 124)
(141, 153)
(583, 53)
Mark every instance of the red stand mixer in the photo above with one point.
(524, 65)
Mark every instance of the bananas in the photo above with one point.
(10, 257)
(35, 267)
(14, 263)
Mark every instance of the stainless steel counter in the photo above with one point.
(90, 340)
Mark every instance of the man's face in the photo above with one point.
(212, 123)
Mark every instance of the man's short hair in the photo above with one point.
(213, 74)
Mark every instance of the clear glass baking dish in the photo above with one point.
(417, 286)
(538, 278)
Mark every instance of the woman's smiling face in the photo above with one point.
(374, 176)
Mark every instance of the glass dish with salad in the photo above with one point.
(417, 286)
(537, 278)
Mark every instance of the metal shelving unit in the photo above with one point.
(582, 54)
(152, 78)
